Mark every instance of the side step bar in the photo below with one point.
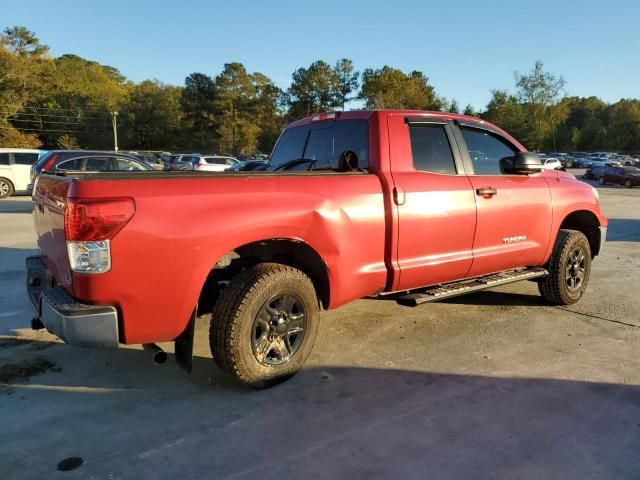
(454, 289)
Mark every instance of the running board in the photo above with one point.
(463, 287)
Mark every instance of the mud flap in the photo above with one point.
(184, 345)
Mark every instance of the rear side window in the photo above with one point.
(323, 143)
(25, 158)
(75, 164)
(127, 165)
(98, 164)
(431, 149)
(486, 150)
(4, 159)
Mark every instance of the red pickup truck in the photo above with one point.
(423, 205)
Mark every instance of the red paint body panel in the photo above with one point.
(50, 197)
(436, 221)
(522, 207)
(182, 226)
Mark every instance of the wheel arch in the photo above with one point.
(293, 252)
(586, 222)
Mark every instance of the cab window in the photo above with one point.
(323, 144)
(486, 150)
(430, 149)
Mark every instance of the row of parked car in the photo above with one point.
(20, 167)
(587, 160)
(626, 175)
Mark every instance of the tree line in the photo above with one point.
(68, 102)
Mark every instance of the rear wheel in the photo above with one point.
(264, 324)
(628, 183)
(6, 188)
(569, 269)
(601, 181)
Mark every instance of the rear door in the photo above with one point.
(21, 169)
(435, 202)
(514, 211)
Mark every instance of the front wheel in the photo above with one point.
(264, 324)
(628, 183)
(569, 269)
(601, 181)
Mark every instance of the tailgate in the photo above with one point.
(50, 198)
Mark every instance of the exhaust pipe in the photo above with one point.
(158, 355)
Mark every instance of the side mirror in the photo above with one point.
(522, 163)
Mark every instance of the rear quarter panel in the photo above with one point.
(182, 227)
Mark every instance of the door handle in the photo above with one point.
(398, 195)
(487, 191)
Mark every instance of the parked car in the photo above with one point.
(15, 165)
(347, 209)
(180, 161)
(152, 161)
(592, 173)
(580, 159)
(214, 163)
(250, 166)
(627, 176)
(551, 163)
(199, 162)
(58, 161)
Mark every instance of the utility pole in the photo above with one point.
(114, 121)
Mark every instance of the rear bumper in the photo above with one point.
(74, 322)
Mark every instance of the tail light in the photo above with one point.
(89, 226)
(49, 163)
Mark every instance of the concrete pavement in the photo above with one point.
(492, 385)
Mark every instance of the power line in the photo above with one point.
(21, 114)
(42, 130)
(51, 108)
(13, 120)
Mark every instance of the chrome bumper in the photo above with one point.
(73, 322)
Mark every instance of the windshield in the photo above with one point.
(321, 145)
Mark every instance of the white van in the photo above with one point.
(15, 168)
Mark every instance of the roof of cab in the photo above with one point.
(366, 114)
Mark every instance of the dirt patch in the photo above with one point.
(10, 342)
(12, 372)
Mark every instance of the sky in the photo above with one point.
(466, 48)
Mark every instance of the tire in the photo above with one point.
(628, 183)
(244, 338)
(6, 188)
(569, 269)
(601, 181)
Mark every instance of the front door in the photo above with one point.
(514, 211)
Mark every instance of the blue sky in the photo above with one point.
(466, 48)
